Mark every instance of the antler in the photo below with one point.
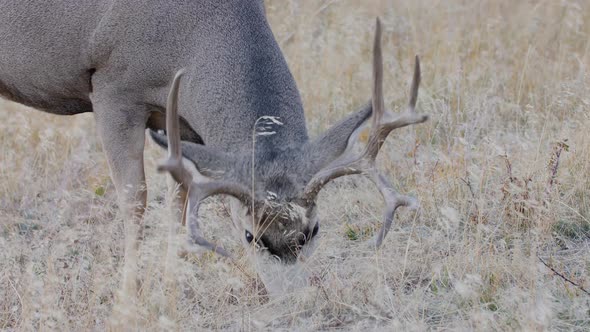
(197, 190)
(382, 123)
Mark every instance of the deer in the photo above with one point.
(278, 217)
(115, 59)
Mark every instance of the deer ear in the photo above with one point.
(332, 143)
(209, 162)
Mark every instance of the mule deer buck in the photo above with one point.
(116, 58)
(275, 192)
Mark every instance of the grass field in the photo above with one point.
(502, 171)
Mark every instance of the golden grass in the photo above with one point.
(506, 84)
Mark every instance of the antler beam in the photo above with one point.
(382, 123)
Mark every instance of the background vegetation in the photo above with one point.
(502, 171)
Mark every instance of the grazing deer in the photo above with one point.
(115, 59)
(275, 191)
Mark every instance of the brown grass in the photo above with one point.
(506, 84)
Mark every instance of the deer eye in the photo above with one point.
(249, 237)
(315, 229)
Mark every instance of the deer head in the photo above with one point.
(273, 202)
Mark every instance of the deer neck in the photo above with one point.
(237, 76)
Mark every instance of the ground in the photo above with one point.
(502, 172)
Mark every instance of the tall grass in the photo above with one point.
(502, 171)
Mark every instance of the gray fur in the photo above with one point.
(117, 59)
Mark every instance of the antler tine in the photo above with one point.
(173, 164)
(415, 85)
(195, 196)
(392, 199)
(379, 129)
(197, 191)
(377, 100)
(364, 163)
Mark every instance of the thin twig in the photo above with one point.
(508, 167)
(553, 165)
(563, 277)
(468, 183)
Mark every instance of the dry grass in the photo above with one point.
(506, 84)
